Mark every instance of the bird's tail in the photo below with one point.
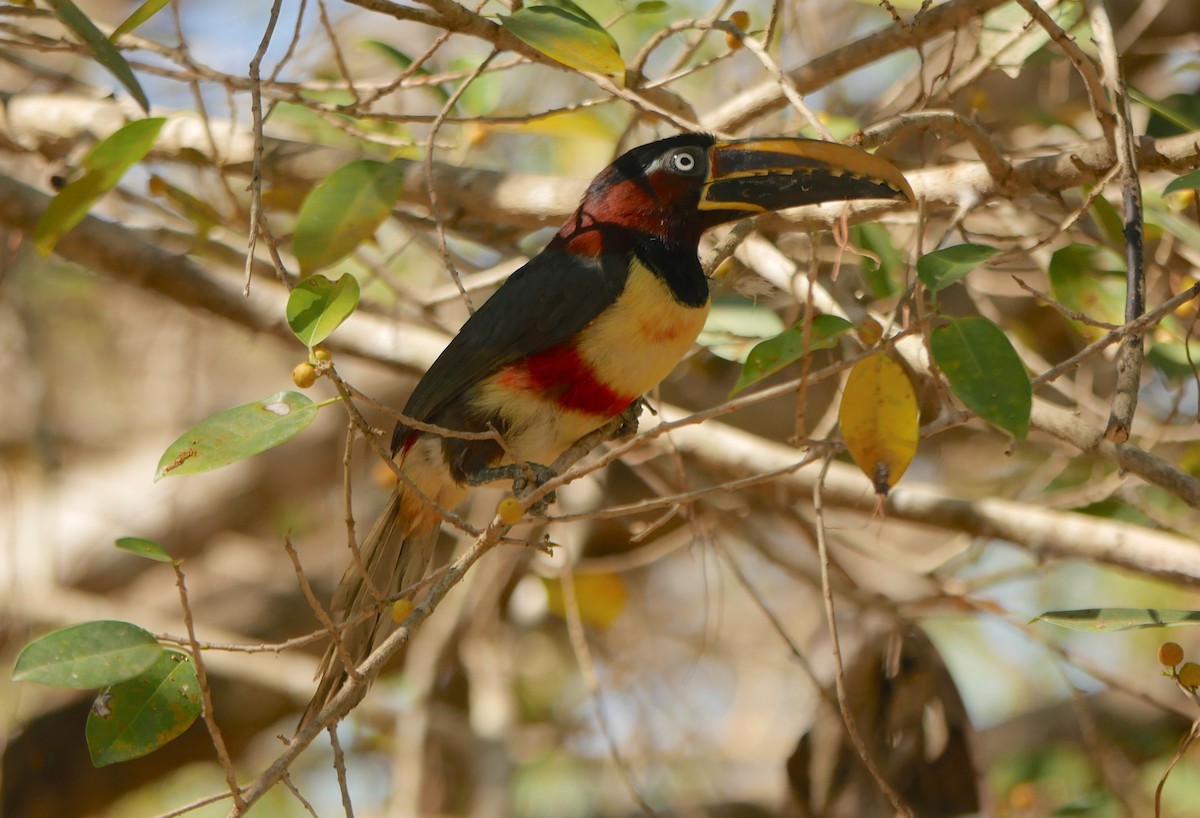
(395, 555)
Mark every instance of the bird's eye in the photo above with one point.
(683, 162)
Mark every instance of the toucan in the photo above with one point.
(576, 336)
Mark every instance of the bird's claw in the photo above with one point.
(630, 419)
(525, 477)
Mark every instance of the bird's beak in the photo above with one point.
(760, 175)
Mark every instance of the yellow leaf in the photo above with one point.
(879, 420)
(601, 598)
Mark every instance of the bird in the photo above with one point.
(575, 337)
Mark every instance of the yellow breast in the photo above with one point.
(637, 341)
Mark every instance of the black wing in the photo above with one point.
(552, 297)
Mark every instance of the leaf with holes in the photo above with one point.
(318, 306)
(773, 354)
(985, 372)
(92, 654)
(941, 268)
(136, 717)
(102, 50)
(236, 434)
(345, 210)
(566, 37)
(879, 419)
(104, 165)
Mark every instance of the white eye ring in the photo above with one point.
(683, 162)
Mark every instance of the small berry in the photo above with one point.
(304, 375)
(510, 511)
(1170, 654)
(401, 608)
(322, 354)
(741, 19)
(869, 331)
(1189, 675)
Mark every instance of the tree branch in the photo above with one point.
(768, 97)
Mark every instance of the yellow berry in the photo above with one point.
(1189, 675)
(304, 375)
(322, 354)
(401, 608)
(1170, 654)
(509, 511)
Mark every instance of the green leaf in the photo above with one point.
(105, 164)
(136, 717)
(985, 372)
(941, 268)
(576, 41)
(102, 50)
(1081, 280)
(1183, 229)
(1110, 221)
(773, 354)
(1119, 619)
(93, 654)
(1188, 181)
(205, 216)
(651, 7)
(236, 434)
(404, 61)
(881, 278)
(1173, 115)
(345, 210)
(1176, 360)
(318, 306)
(144, 548)
(735, 325)
(140, 15)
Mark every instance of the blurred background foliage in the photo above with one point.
(703, 622)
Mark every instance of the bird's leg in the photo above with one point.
(630, 418)
(524, 476)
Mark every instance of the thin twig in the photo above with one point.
(839, 677)
(583, 655)
(1180, 752)
(210, 719)
(949, 121)
(315, 605)
(1101, 108)
(339, 765)
(287, 782)
(353, 691)
(256, 114)
(434, 207)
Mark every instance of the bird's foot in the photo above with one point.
(524, 476)
(630, 419)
